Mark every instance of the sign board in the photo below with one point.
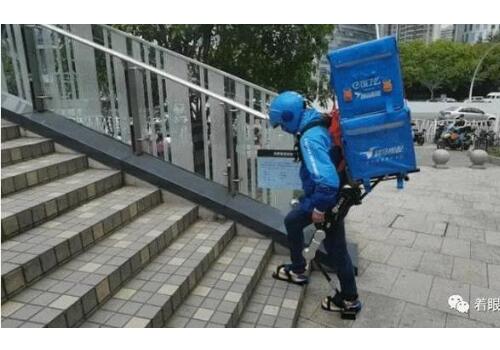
(277, 169)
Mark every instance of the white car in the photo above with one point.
(475, 99)
(493, 97)
(442, 99)
(468, 113)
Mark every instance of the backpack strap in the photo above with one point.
(335, 132)
(324, 122)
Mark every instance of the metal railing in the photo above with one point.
(185, 58)
(180, 110)
(140, 64)
(430, 126)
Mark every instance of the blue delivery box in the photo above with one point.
(374, 118)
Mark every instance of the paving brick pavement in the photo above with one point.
(438, 237)
(81, 247)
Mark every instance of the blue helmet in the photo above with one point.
(286, 111)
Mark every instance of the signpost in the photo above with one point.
(277, 169)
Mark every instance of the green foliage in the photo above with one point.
(494, 38)
(489, 74)
(275, 56)
(448, 67)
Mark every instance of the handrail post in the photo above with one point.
(134, 78)
(232, 181)
(38, 96)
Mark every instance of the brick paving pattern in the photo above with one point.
(40, 170)
(150, 297)
(274, 303)
(29, 208)
(31, 254)
(438, 237)
(24, 148)
(69, 293)
(82, 248)
(221, 296)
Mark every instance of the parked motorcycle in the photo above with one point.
(485, 139)
(439, 131)
(457, 137)
(418, 136)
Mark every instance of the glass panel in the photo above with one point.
(217, 130)
(10, 76)
(82, 83)
(195, 128)
(15, 80)
(178, 124)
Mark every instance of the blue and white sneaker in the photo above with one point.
(285, 273)
(338, 304)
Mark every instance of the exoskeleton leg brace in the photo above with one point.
(348, 197)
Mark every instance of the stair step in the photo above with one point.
(64, 297)
(220, 297)
(24, 148)
(28, 256)
(27, 209)
(150, 297)
(41, 170)
(10, 131)
(274, 303)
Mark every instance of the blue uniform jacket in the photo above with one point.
(318, 173)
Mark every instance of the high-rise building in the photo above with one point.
(473, 33)
(350, 34)
(447, 32)
(346, 35)
(385, 29)
(410, 32)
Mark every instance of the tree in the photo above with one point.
(448, 67)
(494, 38)
(488, 78)
(278, 57)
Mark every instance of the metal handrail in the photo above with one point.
(168, 76)
(189, 59)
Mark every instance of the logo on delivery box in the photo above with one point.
(366, 83)
(367, 88)
(374, 152)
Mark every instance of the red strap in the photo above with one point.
(336, 134)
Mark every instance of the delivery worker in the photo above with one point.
(321, 183)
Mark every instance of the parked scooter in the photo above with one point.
(418, 136)
(439, 131)
(485, 139)
(457, 136)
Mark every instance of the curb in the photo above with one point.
(494, 160)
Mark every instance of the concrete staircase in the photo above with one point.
(84, 245)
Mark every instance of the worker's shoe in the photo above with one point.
(285, 273)
(337, 303)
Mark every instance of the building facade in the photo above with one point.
(474, 33)
(346, 35)
(410, 32)
(448, 32)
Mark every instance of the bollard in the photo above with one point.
(478, 158)
(440, 157)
